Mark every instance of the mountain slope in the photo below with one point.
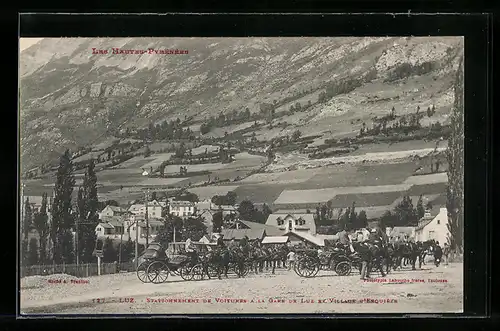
(70, 97)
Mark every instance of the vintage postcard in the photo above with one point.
(241, 175)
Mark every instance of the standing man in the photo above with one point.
(291, 259)
(438, 254)
(446, 252)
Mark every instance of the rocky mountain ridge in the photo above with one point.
(70, 97)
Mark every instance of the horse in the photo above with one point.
(274, 256)
(223, 257)
(425, 248)
(370, 255)
(406, 252)
(257, 257)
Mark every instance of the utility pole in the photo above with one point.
(21, 220)
(146, 193)
(77, 248)
(136, 243)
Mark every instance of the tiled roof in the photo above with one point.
(318, 241)
(275, 239)
(106, 225)
(182, 203)
(270, 229)
(117, 209)
(238, 234)
(397, 230)
(112, 218)
(309, 218)
(423, 223)
(136, 206)
(115, 223)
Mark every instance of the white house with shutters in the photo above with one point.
(182, 208)
(154, 209)
(300, 223)
(433, 227)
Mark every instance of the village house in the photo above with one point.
(110, 227)
(401, 233)
(300, 223)
(238, 234)
(182, 208)
(154, 209)
(113, 211)
(247, 225)
(304, 237)
(433, 227)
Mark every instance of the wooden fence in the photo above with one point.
(81, 270)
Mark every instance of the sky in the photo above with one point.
(27, 42)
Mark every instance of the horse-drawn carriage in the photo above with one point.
(157, 265)
(310, 262)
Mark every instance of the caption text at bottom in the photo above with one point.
(244, 301)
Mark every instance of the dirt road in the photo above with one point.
(429, 290)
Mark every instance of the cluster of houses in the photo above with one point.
(284, 226)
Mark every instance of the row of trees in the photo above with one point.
(233, 117)
(404, 214)
(191, 228)
(249, 212)
(64, 219)
(167, 130)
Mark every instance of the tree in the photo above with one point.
(153, 196)
(109, 252)
(147, 152)
(217, 222)
(345, 219)
(296, 135)
(428, 205)
(193, 228)
(388, 219)
(187, 196)
(128, 250)
(33, 252)
(420, 210)
(231, 198)
(24, 253)
(246, 210)
(41, 225)
(66, 240)
(405, 212)
(362, 220)
(62, 218)
(88, 208)
(455, 155)
(266, 211)
(166, 235)
(353, 216)
(28, 218)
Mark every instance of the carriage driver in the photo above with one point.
(345, 241)
(189, 250)
(220, 243)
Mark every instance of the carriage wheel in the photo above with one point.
(248, 267)
(307, 268)
(186, 272)
(158, 272)
(343, 268)
(332, 265)
(142, 272)
(212, 271)
(241, 272)
(197, 272)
